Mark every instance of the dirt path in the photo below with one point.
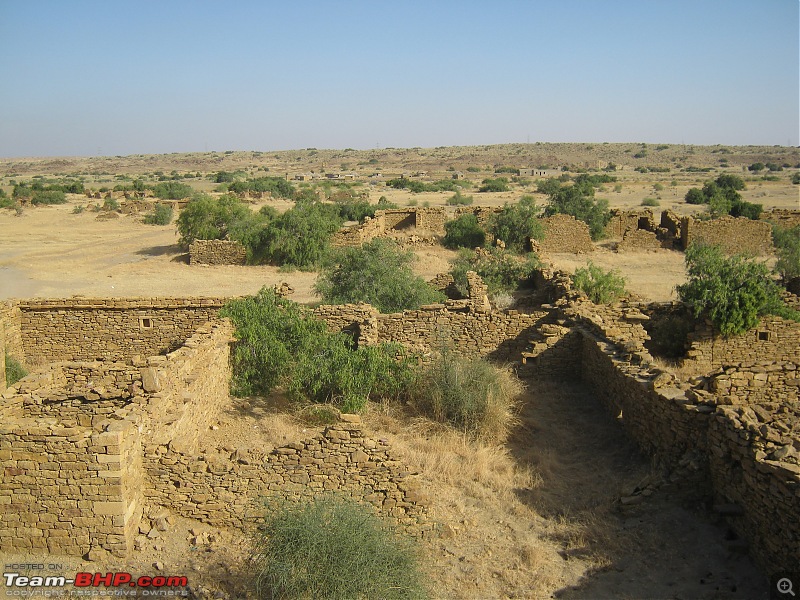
(659, 548)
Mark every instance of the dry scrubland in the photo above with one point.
(536, 516)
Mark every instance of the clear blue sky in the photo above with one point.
(122, 77)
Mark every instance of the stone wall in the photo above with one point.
(74, 439)
(734, 235)
(10, 337)
(217, 252)
(224, 486)
(639, 239)
(782, 216)
(431, 219)
(563, 233)
(774, 337)
(623, 220)
(80, 329)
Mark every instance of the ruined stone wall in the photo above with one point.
(785, 217)
(671, 222)
(74, 439)
(482, 213)
(394, 218)
(564, 233)
(621, 221)
(639, 239)
(217, 252)
(224, 486)
(432, 219)
(758, 383)
(80, 329)
(10, 337)
(69, 490)
(774, 337)
(734, 235)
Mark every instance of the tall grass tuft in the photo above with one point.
(332, 547)
(14, 370)
(469, 394)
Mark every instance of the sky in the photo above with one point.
(84, 78)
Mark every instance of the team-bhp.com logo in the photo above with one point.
(160, 585)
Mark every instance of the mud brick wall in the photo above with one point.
(224, 486)
(734, 235)
(563, 233)
(774, 337)
(68, 490)
(217, 252)
(81, 329)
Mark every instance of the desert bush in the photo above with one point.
(499, 184)
(501, 271)
(578, 201)
(458, 199)
(517, 223)
(470, 394)
(161, 215)
(301, 236)
(787, 247)
(14, 370)
(658, 187)
(110, 204)
(756, 166)
(78, 209)
(741, 208)
(650, 202)
(276, 186)
(6, 202)
(695, 196)
(49, 197)
(796, 178)
(547, 186)
(280, 343)
(207, 218)
(332, 547)
(602, 287)
(379, 273)
(172, 190)
(464, 232)
(734, 292)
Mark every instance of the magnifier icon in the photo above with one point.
(785, 586)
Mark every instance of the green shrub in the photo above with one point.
(301, 236)
(494, 185)
(161, 215)
(379, 273)
(787, 247)
(733, 291)
(14, 370)
(469, 394)
(501, 271)
(464, 232)
(49, 197)
(6, 202)
(332, 547)
(110, 204)
(602, 287)
(280, 343)
(517, 223)
(658, 187)
(172, 190)
(796, 178)
(78, 209)
(458, 199)
(650, 202)
(695, 196)
(741, 208)
(207, 218)
(578, 200)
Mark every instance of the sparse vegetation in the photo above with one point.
(499, 184)
(458, 199)
(472, 395)
(332, 547)
(602, 287)
(501, 271)
(14, 370)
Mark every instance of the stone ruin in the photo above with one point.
(217, 252)
(92, 449)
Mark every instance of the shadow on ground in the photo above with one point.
(663, 545)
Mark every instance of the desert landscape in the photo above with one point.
(586, 497)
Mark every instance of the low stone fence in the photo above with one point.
(217, 252)
(734, 235)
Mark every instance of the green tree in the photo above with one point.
(464, 232)
(578, 200)
(499, 184)
(301, 236)
(756, 167)
(517, 223)
(207, 218)
(733, 291)
(787, 246)
(501, 270)
(161, 215)
(172, 190)
(379, 273)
